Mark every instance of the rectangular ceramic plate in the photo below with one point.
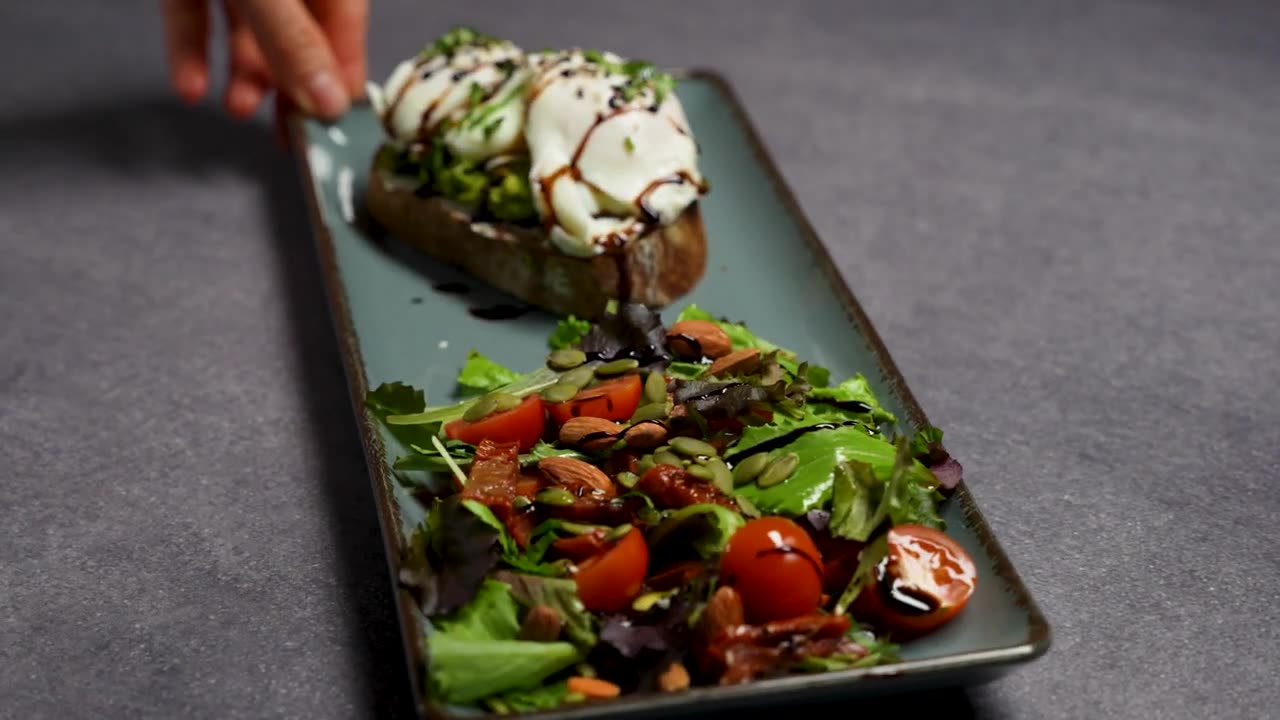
(401, 316)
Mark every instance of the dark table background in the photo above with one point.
(1064, 219)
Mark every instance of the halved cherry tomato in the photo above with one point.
(609, 581)
(774, 565)
(925, 579)
(615, 399)
(521, 424)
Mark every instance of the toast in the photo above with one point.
(654, 269)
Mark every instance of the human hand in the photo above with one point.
(311, 52)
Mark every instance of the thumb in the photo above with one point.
(298, 52)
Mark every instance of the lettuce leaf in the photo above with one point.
(861, 502)
(475, 653)
(568, 332)
(448, 556)
(481, 375)
(704, 528)
(850, 392)
(560, 594)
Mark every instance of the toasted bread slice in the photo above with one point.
(654, 269)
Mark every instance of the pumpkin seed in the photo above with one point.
(652, 411)
(648, 516)
(566, 359)
(520, 502)
(702, 472)
(778, 470)
(618, 533)
(554, 496)
(655, 388)
(480, 409)
(617, 367)
(645, 464)
(648, 601)
(692, 447)
(560, 392)
(750, 468)
(504, 401)
(574, 528)
(585, 670)
(628, 479)
(662, 457)
(720, 475)
(578, 377)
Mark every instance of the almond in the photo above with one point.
(591, 433)
(738, 362)
(724, 611)
(645, 435)
(542, 624)
(695, 339)
(574, 473)
(674, 678)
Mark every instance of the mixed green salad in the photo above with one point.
(656, 508)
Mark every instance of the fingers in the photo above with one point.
(249, 78)
(186, 28)
(345, 23)
(303, 66)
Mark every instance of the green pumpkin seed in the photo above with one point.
(702, 472)
(618, 533)
(648, 601)
(578, 377)
(662, 457)
(554, 496)
(720, 475)
(560, 392)
(652, 411)
(574, 528)
(585, 670)
(645, 464)
(655, 388)
(692, 447)
(649, 516)
(617, 367)
(520, 502)
(566, 359)
(778, 470)
(628, 479)
(480, 409)
(505, 401)
(750, 468)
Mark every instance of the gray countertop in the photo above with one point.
(1064, 219)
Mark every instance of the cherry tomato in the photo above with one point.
(775, 566)
(609, 581)
(614, 399)
(925, 579)
(521, 424)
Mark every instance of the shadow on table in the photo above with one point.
(160, 135)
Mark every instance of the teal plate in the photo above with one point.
(400, 316)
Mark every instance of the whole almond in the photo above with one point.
(738, 362)
(711, 341)
(674, 678)
(591, 433)
(724, 611)
(574, 473)
(645, 435)
(542, 624)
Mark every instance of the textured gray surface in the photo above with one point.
(1062, 217)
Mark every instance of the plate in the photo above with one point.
(400, 316)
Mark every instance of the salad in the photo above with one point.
(657, 508)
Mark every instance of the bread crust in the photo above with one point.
(655, 269)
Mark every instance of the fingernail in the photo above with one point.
(327, 96)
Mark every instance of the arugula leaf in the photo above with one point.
(568, 332)
(704, 528)
(526, 384)
(854, 511)
(868, 558)
(810, 486)
(558, 594)
(853, 390)
(448, 556)
(481, 375)
(475, 655)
